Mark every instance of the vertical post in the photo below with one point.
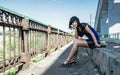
(57, 40)
(25, 56)
(65, 39)
(62, 39)
(57, 45)
(48, 41)
(3, 48)
(14, 42)
(10, 43)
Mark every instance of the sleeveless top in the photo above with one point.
(84, 32)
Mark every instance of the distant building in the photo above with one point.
(107, 19)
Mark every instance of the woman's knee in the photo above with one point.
(75, 42)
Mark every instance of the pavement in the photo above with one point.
(52, 65)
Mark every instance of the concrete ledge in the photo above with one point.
(107, 60)
(113, 40)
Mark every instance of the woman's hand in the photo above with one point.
(98, 45)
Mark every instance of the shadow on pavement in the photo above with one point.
(74, 69)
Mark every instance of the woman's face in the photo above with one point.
(74, 24)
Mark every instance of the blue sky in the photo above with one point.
(54, 12)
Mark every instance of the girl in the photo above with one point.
(80, 30)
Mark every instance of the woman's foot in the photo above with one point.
(73, 62)
(66, 63)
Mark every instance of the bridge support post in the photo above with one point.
(57, 40)
(48, 41)
(65, 40)
(25, 56)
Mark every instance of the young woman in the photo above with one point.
(80, 30)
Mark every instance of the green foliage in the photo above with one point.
(12, 72)
(52, 50)
(1, 55)
(37, 59)
(38, 41)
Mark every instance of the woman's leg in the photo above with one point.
(77, 43)
(74, 58)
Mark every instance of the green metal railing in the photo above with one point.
(22, 38)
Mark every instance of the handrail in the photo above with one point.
(23, 38)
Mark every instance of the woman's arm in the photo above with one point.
(76, 34)
(92, 34)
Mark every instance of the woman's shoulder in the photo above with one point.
(84, 24)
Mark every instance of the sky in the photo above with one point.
(54, 12)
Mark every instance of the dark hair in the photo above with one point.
(72, 19)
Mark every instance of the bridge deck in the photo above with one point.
(51, 65)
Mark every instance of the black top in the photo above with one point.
(84, 32)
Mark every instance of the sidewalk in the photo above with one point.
(51, 65)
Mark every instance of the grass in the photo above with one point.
(37, 59)
(1, 55)
(32, 61)
(52, 50)
(12, 72)
(15, 48)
